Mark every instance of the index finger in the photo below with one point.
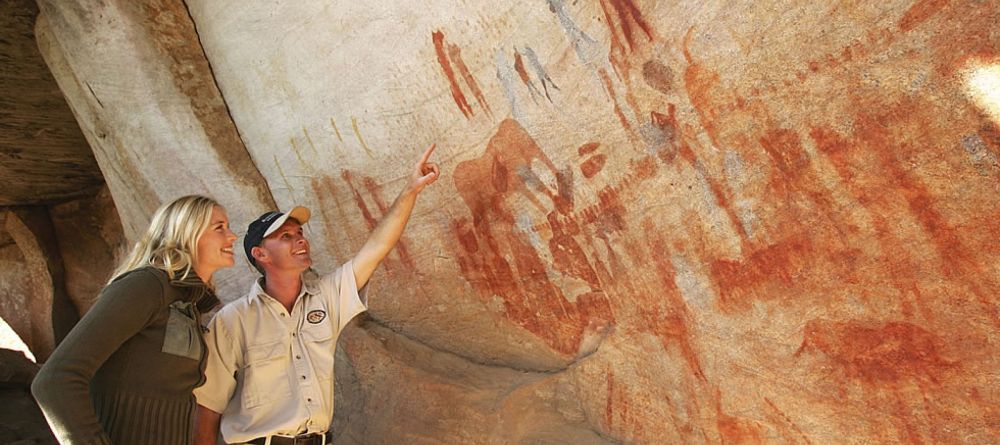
(427, 154)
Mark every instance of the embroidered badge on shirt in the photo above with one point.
(316, 316)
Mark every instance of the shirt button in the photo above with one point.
(310, 401)
(303, 377)
(282, 314)
(298, 357)
(293, 334)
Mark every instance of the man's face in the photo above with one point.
(285, 250)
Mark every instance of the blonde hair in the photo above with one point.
(171, 241)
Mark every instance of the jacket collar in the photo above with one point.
(196, 291)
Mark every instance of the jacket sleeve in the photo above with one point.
(62, 386)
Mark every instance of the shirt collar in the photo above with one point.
(310, 285)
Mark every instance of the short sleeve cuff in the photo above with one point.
(351, 300)
(203, 395)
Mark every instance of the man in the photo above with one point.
(269, 376)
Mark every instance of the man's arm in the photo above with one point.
(223, 357)
(387, 233)
(206, 426)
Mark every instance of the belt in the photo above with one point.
(305, 439)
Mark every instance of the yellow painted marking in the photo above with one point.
(295, 148)
(309, 139)
(354, 123)
(282, 173)
(336, 130)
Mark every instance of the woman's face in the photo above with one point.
(215, 247)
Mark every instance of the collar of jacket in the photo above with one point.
(197, 291)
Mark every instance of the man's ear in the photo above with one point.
(258, 254)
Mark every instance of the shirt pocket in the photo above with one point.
(182, 334)
(320, 343)
(266, 375)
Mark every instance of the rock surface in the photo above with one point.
(23, 423)
(91, 244)
(43, 155)
(659, 222)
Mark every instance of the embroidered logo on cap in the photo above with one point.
(316, 316)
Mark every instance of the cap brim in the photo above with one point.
(299, 213)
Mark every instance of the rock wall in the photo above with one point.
(55, 260)
(660, 222)
(91, 243)
(43, 155)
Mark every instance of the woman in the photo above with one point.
(125, 373)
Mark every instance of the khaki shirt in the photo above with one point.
(270, 372)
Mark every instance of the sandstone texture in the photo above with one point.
(659, 222)
(43, 155)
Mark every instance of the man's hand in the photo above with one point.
(424, 173)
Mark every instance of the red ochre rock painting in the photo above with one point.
(375, 194)
(448, 54)
(626, 25)
(882, 354)
(735, 430)
(499, 259)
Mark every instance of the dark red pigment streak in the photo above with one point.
(521, 72)
(593, 165)
(793, 172)
(359, 200)
(700, 84)
(606, 80)
(920, 12)
(455, 53)
(588, 148)
(628, 15)
(456, 91)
